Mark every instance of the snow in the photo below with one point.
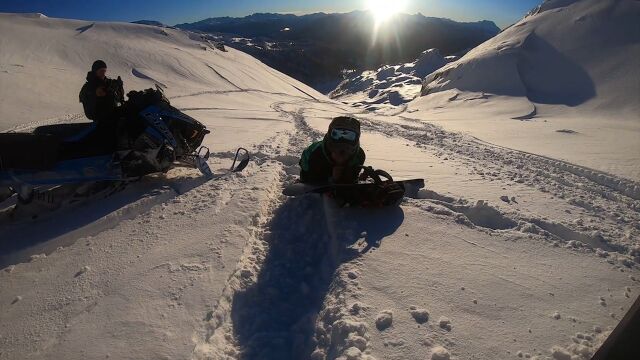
(388, 86)
(421, 316)
(440, 353)
(384, 319)
(505, 254)
(567, 72)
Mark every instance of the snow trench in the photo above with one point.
(275, 318)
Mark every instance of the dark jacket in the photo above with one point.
(100, 107)
(316, 166)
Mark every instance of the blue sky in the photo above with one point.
(502, 12)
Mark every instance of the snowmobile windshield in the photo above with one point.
(344, 135)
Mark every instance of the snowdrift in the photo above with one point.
(562, 82)
(573, 53)
(44, 61)
(389, 85)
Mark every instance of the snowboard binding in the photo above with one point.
(376, 189)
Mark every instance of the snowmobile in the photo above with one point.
(62, 161)
(375, 189)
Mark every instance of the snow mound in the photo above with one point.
(392, 85)
(384, 319)
(565, 52)
(421, 316)
(440, 353)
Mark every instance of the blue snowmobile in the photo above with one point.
(74, 160)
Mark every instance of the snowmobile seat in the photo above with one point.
(67, 132)
(28, 151)
(79, 140)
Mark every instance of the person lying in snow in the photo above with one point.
(336, 159)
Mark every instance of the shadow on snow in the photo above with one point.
(22, 238)
(308, 240)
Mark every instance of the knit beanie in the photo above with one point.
(97, 65)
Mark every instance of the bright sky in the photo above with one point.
(171, 12)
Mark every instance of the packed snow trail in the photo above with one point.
(275, 318)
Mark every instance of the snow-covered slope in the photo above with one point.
(574, 53)
(392, 85)
(568, 65)
(505, 255)
(44, 62)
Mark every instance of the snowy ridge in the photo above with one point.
(392, 85)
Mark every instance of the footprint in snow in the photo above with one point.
(440, 353)
(444, 323)
(384, 320)
(421, 316)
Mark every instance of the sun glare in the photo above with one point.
(383, 10)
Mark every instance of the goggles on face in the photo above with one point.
(343, 134)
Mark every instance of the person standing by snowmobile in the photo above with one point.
(101, 96)
(102, 99)
(337, 158)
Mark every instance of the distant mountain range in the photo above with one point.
(316, 48)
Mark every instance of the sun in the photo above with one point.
(383, 10)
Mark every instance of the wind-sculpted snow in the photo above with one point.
(550, 5)
(566, 77)
(580, 54)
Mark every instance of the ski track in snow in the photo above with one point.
(285, 306)
(223, 77)
(139, 74)
(262, 271)
(602, 195)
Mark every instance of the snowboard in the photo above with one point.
(351, 194)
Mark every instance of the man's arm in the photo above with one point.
(88, 100)
(310, 169)
(360, 158)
